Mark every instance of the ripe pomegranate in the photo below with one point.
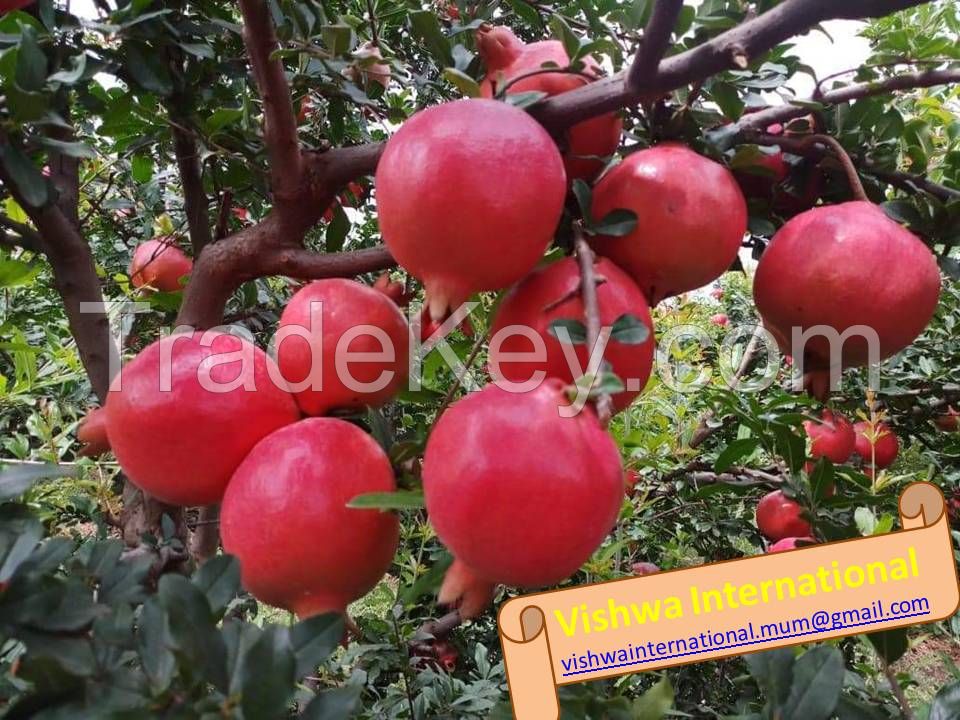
(832, 437)
(92, 432)
(469, 194)
(948, 421)
(396, 291)
(347, 317)
(519, 494)
(790, 543)
(779, 517)
(159, 264)
(815, 272)
(691, 219)
(285, 517)
(368, 67)
(553, 293)
(720, 319)
(644, 568)
(506, 58)
(885, 446)
(185, 411)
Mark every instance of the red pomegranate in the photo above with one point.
(948, 421)
(790, 543)
(815, 272)
(779, 517)
(92, 432)
(428, 327)
(506, 58)
(644, 568)
(553, 293)
(691, 219)
(832, 437)
(469, 194)
(519, 494)
(184, 412)
(353, 351)
(368, 67)
(760, 178)
(285, 517)
(878, 448)
(630, 479)
(396, 291)
(159, 264)
(720, 319)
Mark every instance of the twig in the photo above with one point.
(591, 308)
(856, 187)
(817, 91)
(374, 38)
(459, 378)
(223, 215)
(195, 201)
(895, 688)
(656, 42)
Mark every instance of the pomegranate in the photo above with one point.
(92, 432)
(160, 265)
(428, 327)
(285, 517)
(832, 437)
(815, 272)
(879, 447)
(720, 319)
(469, 194)
(396, 291)
(348, 318)
(691, 219)
(790, 543)
(644, 568)
(185, 411)
(760, 178)
(630, 479)
(519, 494)
(779, 517)
(368, 67)
(553, 293)
(506, 58)
(948, 421)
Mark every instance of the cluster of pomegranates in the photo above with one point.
(469, 195)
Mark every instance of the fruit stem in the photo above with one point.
(501, 91)
(853, 178)
(458, 379)
(591, 309)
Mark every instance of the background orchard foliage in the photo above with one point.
(150, 103)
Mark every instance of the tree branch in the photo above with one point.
(195, 202)
(656, 42)
(591, 311)
(280, 122)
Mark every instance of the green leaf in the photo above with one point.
(78, 64)
(219, 579)
(31, 73)
(337, 230)
(568, 331)
(26, 176)
(14, 273)
(426, 28)
(773, 671)
(193, 628)
(313, 639)
(153, 643)
(71, 149)
(629, 330)
(400, 500)
(817, 681)
(338, 39)
(616, 223)
(525, 99)
(16, 547)
(336, 704)
(889, 644)
(16, 480)
(655, 703)
(792, 447)
(734, 452)
(946, 704)
(146, 69)
(584, 195)
(562, 32)
(141, 168)
(267, 680)
(463, 82)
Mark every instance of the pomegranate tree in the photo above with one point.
(159, 264)
(184, 412)
(691, 219)
(508, 59)
(519, 494)
(843, 266)
(469, 194)
(831, 437)
(877, 445)
(330, 320)
(779, 517)
(554, 293)
(285, 517)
